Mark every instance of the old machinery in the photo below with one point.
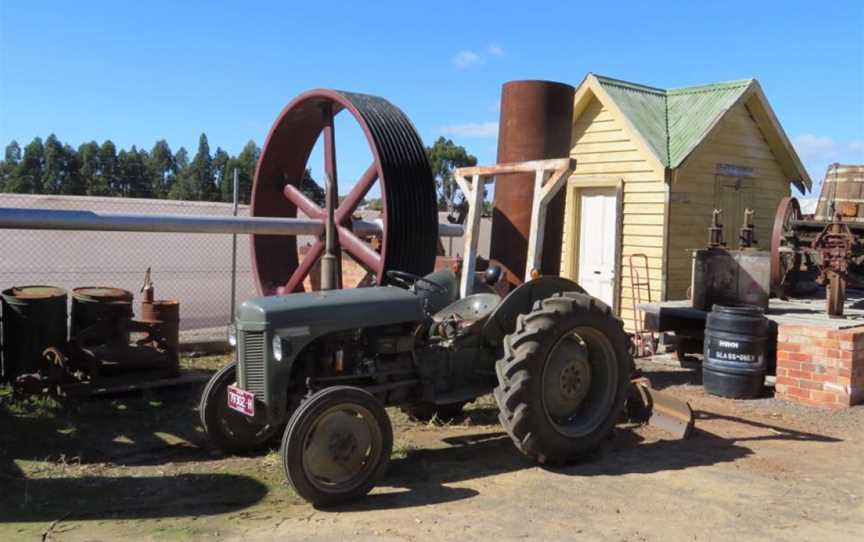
(409, 221)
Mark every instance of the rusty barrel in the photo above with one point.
(111, 307)
(535, 124)
(842, 192)
(34, 318)
(164, 315)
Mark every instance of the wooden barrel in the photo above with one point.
(842, 192)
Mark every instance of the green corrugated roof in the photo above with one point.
(673, 121)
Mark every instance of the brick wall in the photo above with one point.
(820, 366)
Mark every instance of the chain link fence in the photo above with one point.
(193, 268)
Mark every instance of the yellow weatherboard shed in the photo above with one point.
(652, 164)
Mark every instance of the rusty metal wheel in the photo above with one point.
(783, 257)
(399, 166)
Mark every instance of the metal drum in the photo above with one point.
(34, 318)
(842, 192)
(93, 304)
(735, 351)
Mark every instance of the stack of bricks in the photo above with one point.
(820, 366)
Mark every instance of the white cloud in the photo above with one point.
(463, 59)
(493, 49)
(813, 147)
(466, 57)
(472, 129)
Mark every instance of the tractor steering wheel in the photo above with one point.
(410, 280)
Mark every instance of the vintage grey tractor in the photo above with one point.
(322, 366)
(327, 364)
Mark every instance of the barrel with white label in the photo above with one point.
(735, 351)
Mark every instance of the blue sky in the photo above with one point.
(135, 72)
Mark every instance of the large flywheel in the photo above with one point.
(409, 219)
(785, 260)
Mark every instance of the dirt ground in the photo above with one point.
(137, 467)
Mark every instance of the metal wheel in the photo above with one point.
(564, 377)
(400, 168)
(229, 430)
(783, 257)
(337, 444)
(579, 382)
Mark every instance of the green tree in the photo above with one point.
(27, 175)
(161, 169)
(11, 158)
(221, 173)
(313, 190)
(107, 182)
(180, 188)
(197, 182)
(132, 167)
(88, 171)
(444, 157)
(73, 184)
(244, 163)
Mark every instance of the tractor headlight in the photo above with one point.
(277, 348)
(232, 335)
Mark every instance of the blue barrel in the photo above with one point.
(736, 340)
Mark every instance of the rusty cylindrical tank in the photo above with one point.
(93, 304)
(535, 124)
(164, 315)
(34, 318)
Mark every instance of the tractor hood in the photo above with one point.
(331, 310)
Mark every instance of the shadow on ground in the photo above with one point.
(421, 478)
(127, 497)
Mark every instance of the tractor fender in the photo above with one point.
(502, 321)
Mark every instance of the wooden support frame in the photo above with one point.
(549, 177)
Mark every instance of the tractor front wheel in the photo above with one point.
(564, 377)
(230, 431)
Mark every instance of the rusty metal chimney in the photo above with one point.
(536, 123)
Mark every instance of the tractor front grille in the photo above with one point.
(252, 367)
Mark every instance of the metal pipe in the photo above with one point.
(12, 218)
(235, 208)
(330, 275)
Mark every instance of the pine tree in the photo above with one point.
(107, 183)
(73, 184)
(27, 176)
(133, 172)
(244, 163)
(160, 168)
(11, 158)
(221, 173)
(88, 171)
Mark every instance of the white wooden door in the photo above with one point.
(598, 225)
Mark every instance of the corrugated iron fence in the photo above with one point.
(192, 268)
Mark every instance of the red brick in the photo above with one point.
(781, 371)
(823, 396)
(798, 392)
(827, 343)
(809, 385)
(788, 346)
(786, 380)
(799, 356)
(804, 375)
(832, 353)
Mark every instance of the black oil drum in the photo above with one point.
(34, 318)
(735, 351)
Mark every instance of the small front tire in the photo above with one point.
(230, 431)
(337, 445)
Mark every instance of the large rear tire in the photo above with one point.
(230, 431)
(564, 377)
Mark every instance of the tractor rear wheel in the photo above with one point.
(564, 377)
